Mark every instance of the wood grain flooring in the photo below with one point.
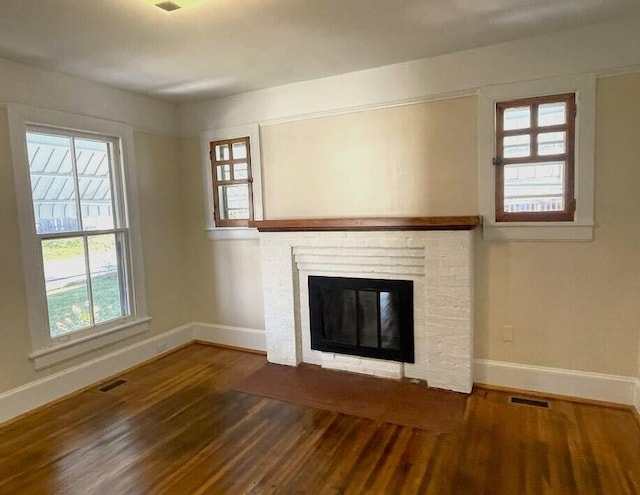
(176, 427)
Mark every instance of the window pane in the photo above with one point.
(52, 183)
(240, 171)
(534, 187)
(223, 172)
(93, 162)
(517, 118)
(107, 278)
(552, 143)
(552, 114)
(234, 202)
(222, 152)
(239, 150)
(517, 146)
(66, 285)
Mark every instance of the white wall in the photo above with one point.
(600, 48)
(603, 48)
(607, 337)
(20, 83)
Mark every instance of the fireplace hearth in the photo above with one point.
(362, 317)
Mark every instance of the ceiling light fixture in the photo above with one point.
(171, 5)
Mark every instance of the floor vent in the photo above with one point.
(112, 385)
(529, 402)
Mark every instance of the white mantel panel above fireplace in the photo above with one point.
(440, 264)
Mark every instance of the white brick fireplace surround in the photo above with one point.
(436, 253)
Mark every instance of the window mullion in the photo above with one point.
(231, 161)
(233, 182)
(534, 132)
(87, 268)
(76, 183)
(76, 233)
(117, 188)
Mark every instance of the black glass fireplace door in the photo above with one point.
(362, 317)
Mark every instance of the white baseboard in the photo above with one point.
(13, 403)
(580, 384)
(246, 338)
(38, 393)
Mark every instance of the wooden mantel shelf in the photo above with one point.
(368, 224)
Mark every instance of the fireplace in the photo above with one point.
(435, 254)
(362, 317)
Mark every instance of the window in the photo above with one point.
(542, 187)
(229, 211)
(232, 182)
(535, 159)
(79, 230)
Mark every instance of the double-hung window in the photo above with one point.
(79, 218)
(79, 230)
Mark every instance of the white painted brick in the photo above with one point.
(443, 296)
(348, 360)
(388, 374)
(358, 260)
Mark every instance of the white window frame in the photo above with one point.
(215, 232)
(46, 350)
(581, 228)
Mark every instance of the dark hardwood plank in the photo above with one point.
(176, 427)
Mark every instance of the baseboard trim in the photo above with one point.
(231, 347)
(579, 384)
(23, 399)
(557, 381)
(236, 337)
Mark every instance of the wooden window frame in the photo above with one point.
(533, 131)
(221, 222)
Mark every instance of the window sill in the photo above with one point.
(231, 233)
(59, 352)
(520, 231)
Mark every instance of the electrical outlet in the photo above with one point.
(507, 333)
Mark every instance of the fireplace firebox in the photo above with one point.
(362, 317)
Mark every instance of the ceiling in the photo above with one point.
(223, 47)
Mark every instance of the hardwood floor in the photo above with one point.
(176, 428)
